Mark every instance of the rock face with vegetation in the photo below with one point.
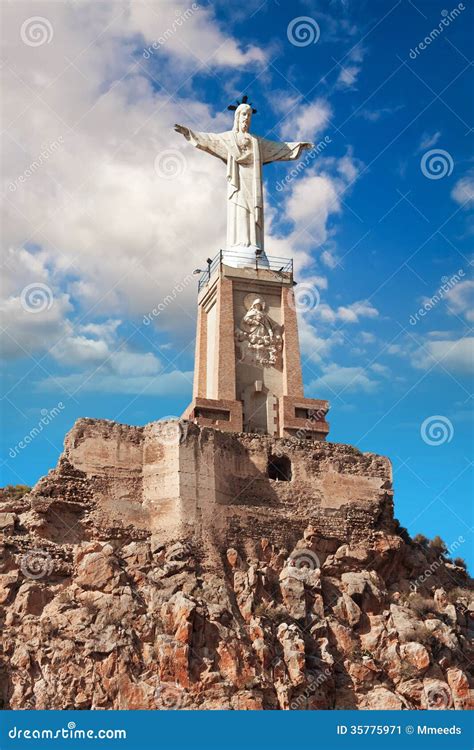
(325, 603)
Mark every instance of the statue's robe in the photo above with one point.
(244, 178)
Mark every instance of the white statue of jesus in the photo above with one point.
(244, 154)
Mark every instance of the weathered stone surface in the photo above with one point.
(169, 576)
(7, 522)
(416, 655)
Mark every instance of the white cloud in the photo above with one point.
(374, 115)
(190, 35)
(175, 383)
(348, 76)
(316, 196)
(306, 121)
(428, 140)
(313, 199)
(463, 191)
(380, 369)
(461, 299)
(347, 313)
(116, 235)
(338, 379)
(33, 310)
(313, 346)
(456, 355)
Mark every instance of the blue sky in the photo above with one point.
(107, 212)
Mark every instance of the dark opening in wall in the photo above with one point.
(279, 467)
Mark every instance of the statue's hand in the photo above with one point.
(182, 129)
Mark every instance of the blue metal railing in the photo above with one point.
(265, 262)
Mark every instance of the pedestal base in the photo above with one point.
(303, 418)
(219, 413)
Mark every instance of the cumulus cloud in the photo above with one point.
(306, 121)
(188, 31)
(317, 195)
(33, 310)
(173, 383)
(118, 203)
(463, 191)
(460, 299)
(347, 313)
(455, 355)
(338, 379)
(428, 140)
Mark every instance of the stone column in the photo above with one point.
(292, 375)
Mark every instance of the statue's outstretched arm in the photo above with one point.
(212, 143)
(282, 151)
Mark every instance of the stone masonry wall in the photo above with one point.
(175, 478)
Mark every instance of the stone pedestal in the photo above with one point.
(248, 370)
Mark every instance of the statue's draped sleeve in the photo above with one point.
(279, 151)
(212, 143)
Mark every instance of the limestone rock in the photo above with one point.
(180, 576)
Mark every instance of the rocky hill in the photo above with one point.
(207, 584)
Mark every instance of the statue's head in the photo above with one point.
(258, 304)
(242, 118)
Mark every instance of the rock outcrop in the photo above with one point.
(154, 572)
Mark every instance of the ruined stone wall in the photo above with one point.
(160, 567)
(176, 478)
